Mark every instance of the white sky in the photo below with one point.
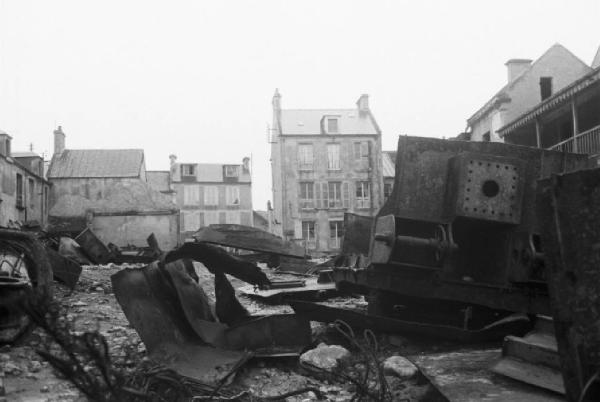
(195, 78)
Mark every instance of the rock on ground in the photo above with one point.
(326, 357)
(399, 366)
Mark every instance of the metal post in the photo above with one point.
(575, 122)
(538, 133)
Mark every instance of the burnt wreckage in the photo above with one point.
(458, 241)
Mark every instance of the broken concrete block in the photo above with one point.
(326, 357)
(400, 367)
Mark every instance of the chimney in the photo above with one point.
(59, 141)
(515, 67)
(246, 164)
(276, 100)
(173, 159)
(5, 140)
(363, 103)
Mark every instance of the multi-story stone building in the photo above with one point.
(23, 190)
(528, 84)
(210, 193)
(324, 162)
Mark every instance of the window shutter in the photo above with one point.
(318, 195)
(345, 195)
(325, 194)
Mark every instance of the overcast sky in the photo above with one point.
(195, 78)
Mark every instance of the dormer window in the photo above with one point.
(188, 170)
(332, 125)
(545, 87)
(232, 171)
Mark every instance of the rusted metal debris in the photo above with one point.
(569, 213)
(24, 265)
(515, 324)
(97, 251)
(64, 269)
(174, 317)
(357, 234)
(310, 289)
(248, 238)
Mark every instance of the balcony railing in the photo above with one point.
(587, 142)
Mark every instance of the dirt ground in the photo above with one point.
(92, 306)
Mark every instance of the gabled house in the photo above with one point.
(528, 84)
(567, 121)
(212, 193)
(23, 190)
(108, 188)
(324, 162)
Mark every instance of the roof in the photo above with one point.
(553, 101)
(26, 154)
(213, 172)
(308, 121)
(502, 95)
(158, 179)
(389, 163)
(96, 163)
(264, 215)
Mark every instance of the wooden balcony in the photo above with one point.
(587, 142)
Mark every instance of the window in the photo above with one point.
(308, 233)
(232, 195)
(387, 190)
(232, 171)
(191, 195)
(211, 218)
(31, 193)
(233, 217)
(332, 125)
(305, 156)
(363, 194)
(545, 87)
(332, 195)
(307, 196)
(336, 232)
(333, 156)
(188, 170)
(361, 150)
(211, 196)
(20, 191)
(335, 194)
(191, 220)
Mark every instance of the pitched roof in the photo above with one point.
(88, 163)
(502, 95)
(389, 163)
(308, 121)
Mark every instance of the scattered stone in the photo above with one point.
(35, 366)
(326, 357)
(12, 368)
(399, 366)
(79, 304)
(45, 389)
(4, 357)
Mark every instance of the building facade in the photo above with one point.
(528, 84)
(109, 188)
(389, 173)
(23, 190)
(324, 163)
(210, 193)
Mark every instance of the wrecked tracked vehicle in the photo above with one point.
(458, 243)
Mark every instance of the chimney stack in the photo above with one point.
(246, 164)
(5, 140)
(59, 141)
(515, 67)
(173, 159)
(363, 103)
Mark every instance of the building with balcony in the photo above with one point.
(528, 84)
(209, 193)
(568, 121)
(23, 190)
(324, 162)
